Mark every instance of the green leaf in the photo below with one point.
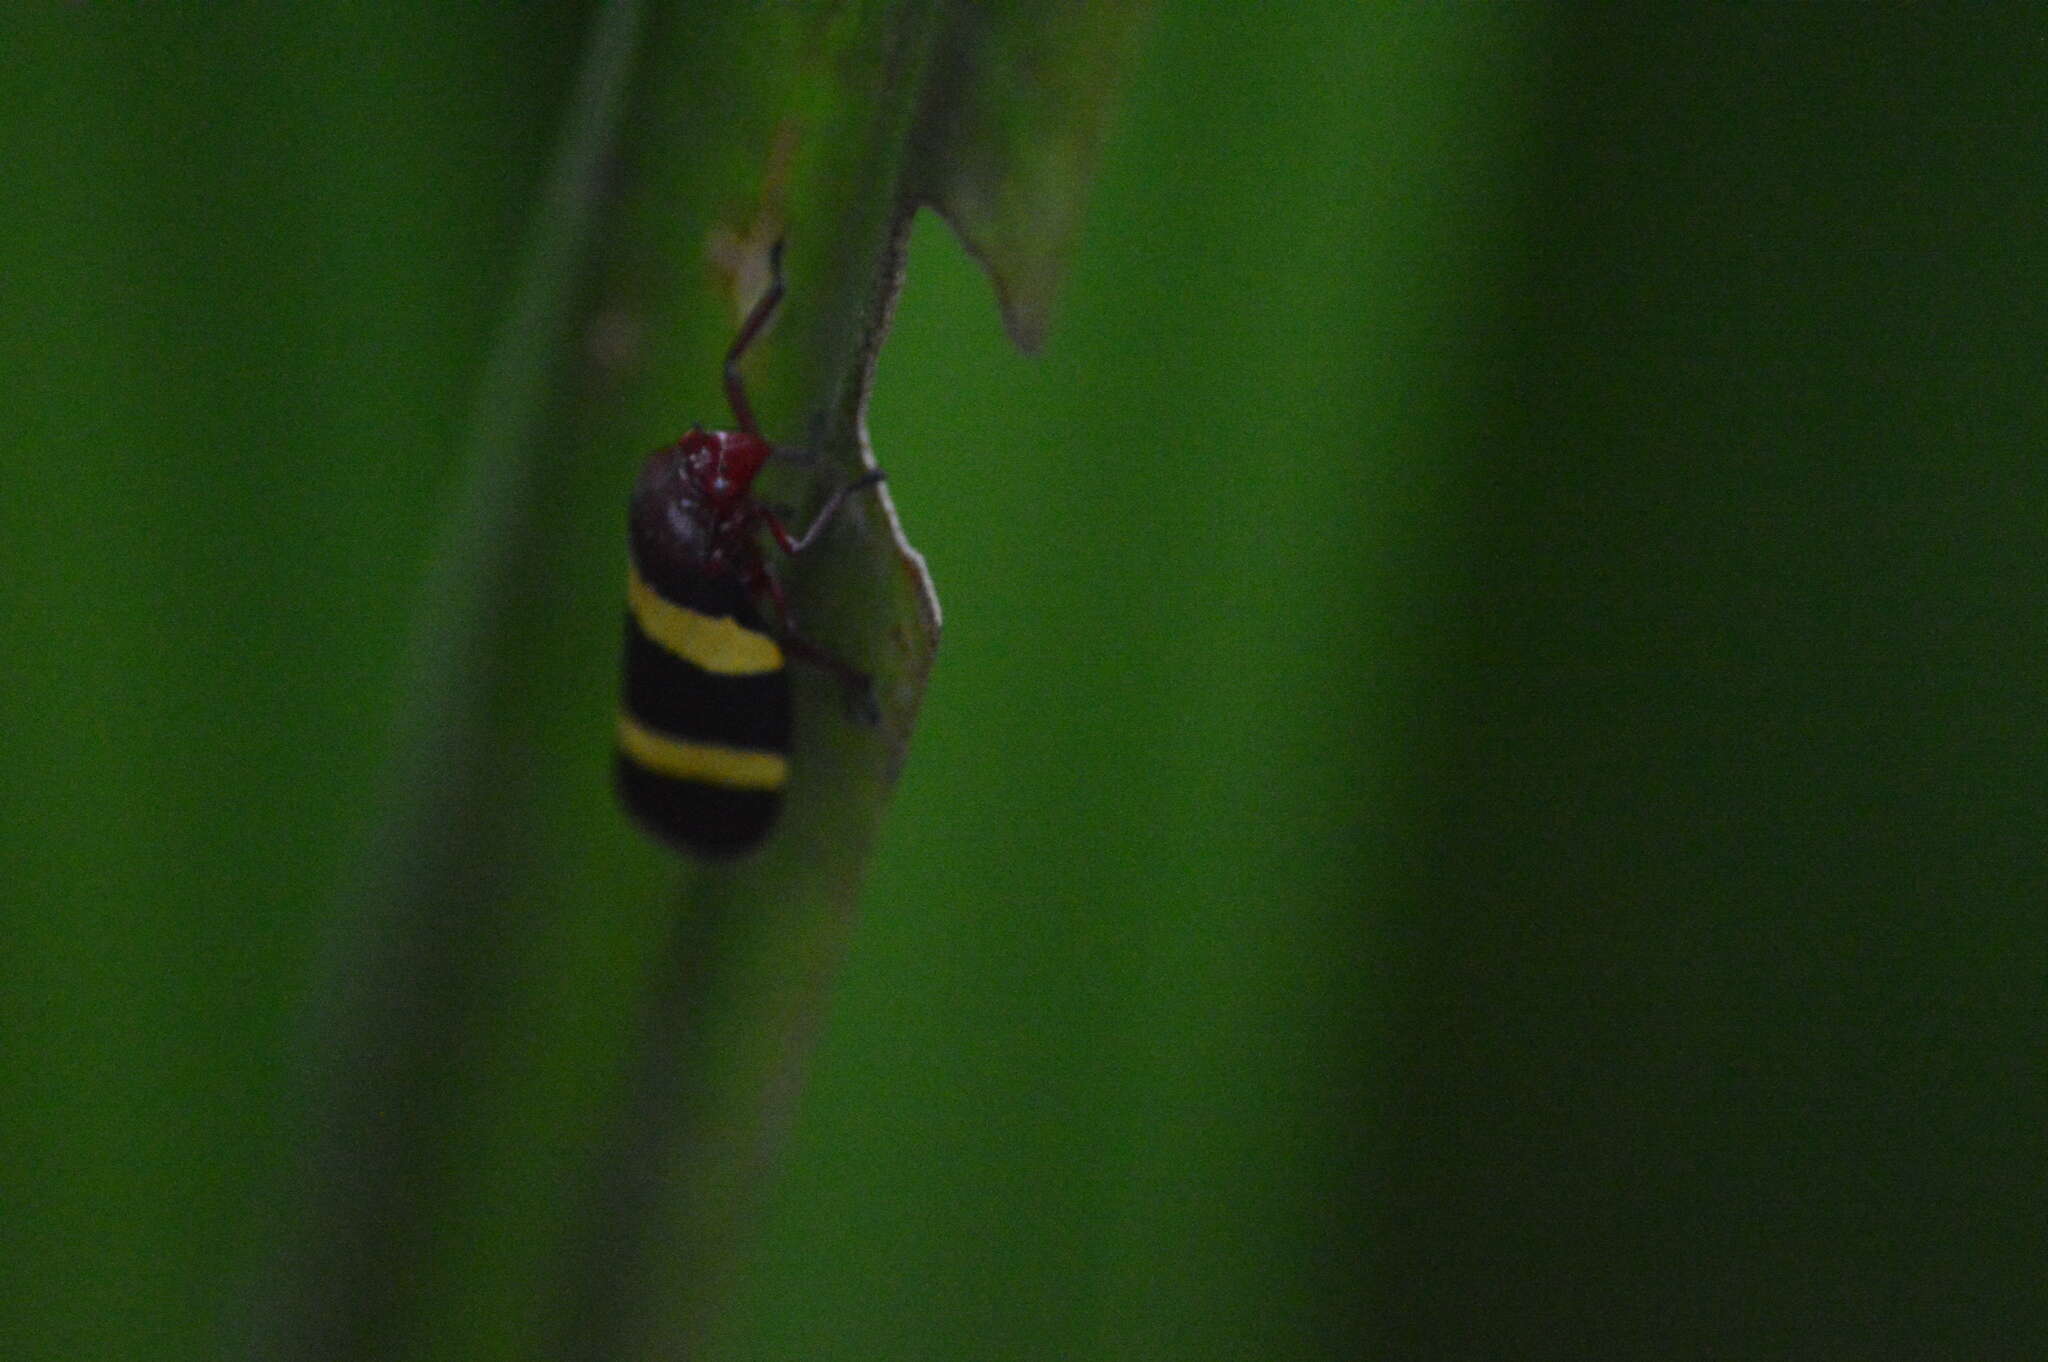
(1013, 123)
(546, 1091)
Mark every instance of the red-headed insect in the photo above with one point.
(704, 708)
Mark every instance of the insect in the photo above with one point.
(704, 709)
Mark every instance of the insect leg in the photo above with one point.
(735, 386)
(798, 543)
(859, 686)
(860, 689)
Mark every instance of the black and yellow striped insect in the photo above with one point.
(705, 709)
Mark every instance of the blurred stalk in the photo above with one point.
(399, 984)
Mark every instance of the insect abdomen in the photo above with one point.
(704, 714)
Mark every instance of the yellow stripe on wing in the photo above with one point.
(713, 642)
(734, 768)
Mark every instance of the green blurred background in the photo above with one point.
(1482, 791)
